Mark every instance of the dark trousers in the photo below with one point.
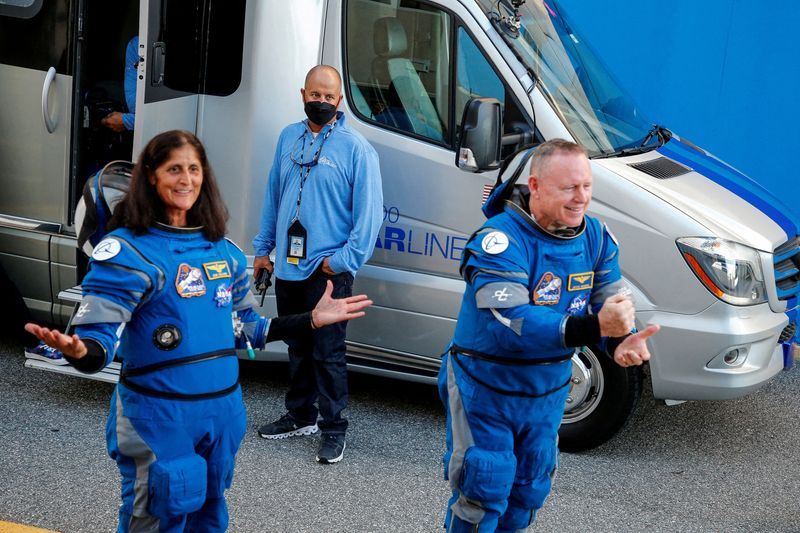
(317, 367)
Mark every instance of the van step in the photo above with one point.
(109, 374)
(73, 294)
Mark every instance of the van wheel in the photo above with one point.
(602, 397)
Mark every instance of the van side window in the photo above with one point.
(33, 34)
(398, 65)
(23, 9)
(398, 68)
(196, 48)
(475, 78)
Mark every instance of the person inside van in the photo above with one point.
(533, 272)
(169, 293)
(322, 211)
(116, 120)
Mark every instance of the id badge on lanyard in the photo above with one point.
(297, 237)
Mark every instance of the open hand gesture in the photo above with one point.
(70, 345)
(633, 350)
(331, 310)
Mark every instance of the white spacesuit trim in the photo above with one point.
(161, 276)
(97, 310)
(600, 294)
(501, 295)
(132, 445)
(248, 301)
(514, 325)
(234, 244)
(501, 274)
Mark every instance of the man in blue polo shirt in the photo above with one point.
(322, 212)
(117, 121)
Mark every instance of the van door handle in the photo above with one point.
(48, 81)
(157, 69)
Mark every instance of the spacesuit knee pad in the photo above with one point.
(541, 472)
(488, 475)
(177, 486)
(220, 477)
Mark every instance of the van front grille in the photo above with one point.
(787, 269)
(661, 168)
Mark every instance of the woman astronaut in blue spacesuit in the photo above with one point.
(170, 296)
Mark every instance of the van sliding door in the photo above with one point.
(36, 71)
(186, 47)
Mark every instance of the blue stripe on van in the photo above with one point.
(734, 181)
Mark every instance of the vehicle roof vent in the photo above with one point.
(661, 168)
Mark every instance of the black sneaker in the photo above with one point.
(331, 449)
(286, 426)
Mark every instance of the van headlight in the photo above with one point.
(731, 271)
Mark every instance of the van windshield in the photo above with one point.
(596, 110)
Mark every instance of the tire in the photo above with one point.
(602, 397)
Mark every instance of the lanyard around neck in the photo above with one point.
(308, 166)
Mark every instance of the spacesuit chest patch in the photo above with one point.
(189, 282)
(223, 295)
(217, 270)
(578, 304)
(495, 242)
(580, 282)
(548, 290)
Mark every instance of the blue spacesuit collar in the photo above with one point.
(515, 209)
(176, 229)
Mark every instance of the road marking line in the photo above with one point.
(10, 527)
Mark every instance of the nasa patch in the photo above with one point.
(577, 305)
(223, 295)
(494, 242)
(548, 290)
(189, 281)
(106, 249)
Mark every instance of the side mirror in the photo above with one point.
(479, 145)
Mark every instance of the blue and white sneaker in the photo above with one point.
(45, 353)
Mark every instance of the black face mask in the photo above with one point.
(320, 113)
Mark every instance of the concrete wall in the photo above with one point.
(723, 74)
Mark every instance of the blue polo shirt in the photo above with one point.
(131, 61)
(342, 200)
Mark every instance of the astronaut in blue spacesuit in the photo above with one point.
(170, 296)
(534, 271)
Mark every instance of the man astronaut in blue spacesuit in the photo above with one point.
(542, 279)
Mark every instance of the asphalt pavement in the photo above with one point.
(707, 466)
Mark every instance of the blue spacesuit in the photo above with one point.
(169, 303)
(505, 378)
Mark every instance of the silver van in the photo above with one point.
(710, 256)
